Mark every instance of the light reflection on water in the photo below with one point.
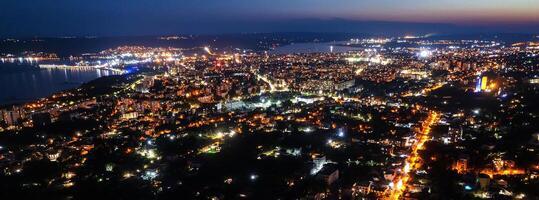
(26, 83)
(335, 47)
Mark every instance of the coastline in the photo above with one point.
(35, 84)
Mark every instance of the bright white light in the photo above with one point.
(253, 177)
(476, 111)
(308, 130)
(151, 154)
(207, 49)
(149, 175)
(424, 53)
(399, 185)
(340, 133)
(407, 168)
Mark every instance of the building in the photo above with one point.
(329, 173)
(11, 117)
(41, 119)
(345, 85)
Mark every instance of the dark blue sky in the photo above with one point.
(156, 17)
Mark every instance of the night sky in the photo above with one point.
(145, 17)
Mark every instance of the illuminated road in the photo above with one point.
(426, 90)
(272, 86)
(413, 162)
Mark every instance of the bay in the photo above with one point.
(23, 82)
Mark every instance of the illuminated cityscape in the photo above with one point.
(279, 115)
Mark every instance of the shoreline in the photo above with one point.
(56, 86)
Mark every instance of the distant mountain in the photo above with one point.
(390, 28)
